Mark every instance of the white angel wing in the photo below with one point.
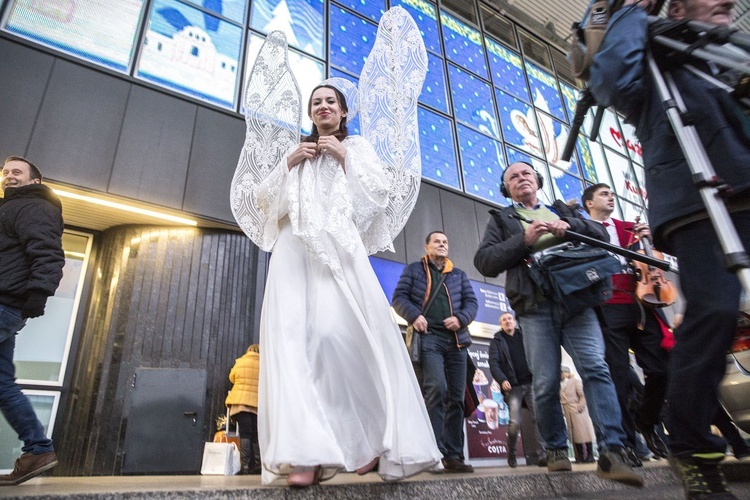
(272, 117)
(389, 88)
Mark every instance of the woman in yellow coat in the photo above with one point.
(242, 402)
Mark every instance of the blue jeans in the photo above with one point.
(443, 387)
(515, 398)
(698, 360)
(582, 339)
(14, 404)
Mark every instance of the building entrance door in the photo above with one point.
(165, 427)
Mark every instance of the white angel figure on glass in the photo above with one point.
(337, 389)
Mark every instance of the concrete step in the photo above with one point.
(495, 483)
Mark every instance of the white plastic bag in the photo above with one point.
(220, 459)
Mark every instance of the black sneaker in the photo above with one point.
(512, 462)
(613, 464)
(456, 465)
(631, 458)
(557, 460)
(701, 476)
(541, 461)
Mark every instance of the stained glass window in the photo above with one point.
(609, 133)
(231, 9)
(623, 178)
(439, 161)
(570, 98)
(483, 163)
(463, 45)
(569, 188)
(472, 99)
(544, 91)
(373, 9)
(434, 89)
(352, 39)
(507, 70)
(300, 20)
(519, 123)
(192, 52)
(76, 27)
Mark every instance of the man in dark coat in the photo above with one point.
(679, 221)
(31, 228)
(509, 369)
(445, 338)
(512, 235)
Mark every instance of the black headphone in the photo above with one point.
(503, 187)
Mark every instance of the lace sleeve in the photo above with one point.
(272, 117)
(368, 192)
(389, 88)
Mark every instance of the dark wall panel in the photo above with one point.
(399, 247)
(483, 217)
(460, 225)
(217, 142)
(76, 135)
(425, 218)
(152, 156)
(165, 298)
(23, 76)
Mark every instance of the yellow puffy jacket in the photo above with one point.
(244, 376)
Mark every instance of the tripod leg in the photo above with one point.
(704, 175)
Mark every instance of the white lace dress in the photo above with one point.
(336, 386)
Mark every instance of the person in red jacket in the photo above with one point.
(627, 325)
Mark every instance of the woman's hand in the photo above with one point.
(329, 145)
(305, 151)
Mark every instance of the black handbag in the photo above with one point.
(574, 276)
(413, 338)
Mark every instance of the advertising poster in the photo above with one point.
(487, 427)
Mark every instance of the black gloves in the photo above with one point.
(34, 305)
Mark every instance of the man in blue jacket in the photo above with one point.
(31, 228)
(445, 339)
(507, 245)
(679, 221)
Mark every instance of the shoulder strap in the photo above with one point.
(432, 297)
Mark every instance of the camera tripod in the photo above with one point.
(699, 41)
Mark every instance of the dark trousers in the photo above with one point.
(698, 360)
(248, 426)
(620, 330)
(443, 387)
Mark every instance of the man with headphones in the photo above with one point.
(512, 235)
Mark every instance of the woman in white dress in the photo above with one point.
(337, 390)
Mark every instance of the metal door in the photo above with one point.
(165, 426)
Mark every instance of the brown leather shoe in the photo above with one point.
(28, 466)
(456, 465)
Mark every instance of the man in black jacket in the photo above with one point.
(512, 235)
(31, 230)
(509, 369)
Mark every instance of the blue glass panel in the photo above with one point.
(483, 163)
(300, 20)
(373, 9)
(439, 161)
(433, 91)
(587, 161)
(184, 52)
(463, 45)
(353, 126)
(79, 29)
(425, 15)
(544, 91)
(519, 123)
(554, 136)
(507, 70)
(232, 9)
(352, 39)
(472, 100)
(570, 97)
(569, 188)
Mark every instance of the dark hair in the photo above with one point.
(342, 132)
(429, 236)
(588, 194)
(34, 172)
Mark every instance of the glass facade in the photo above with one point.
(493, 92)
